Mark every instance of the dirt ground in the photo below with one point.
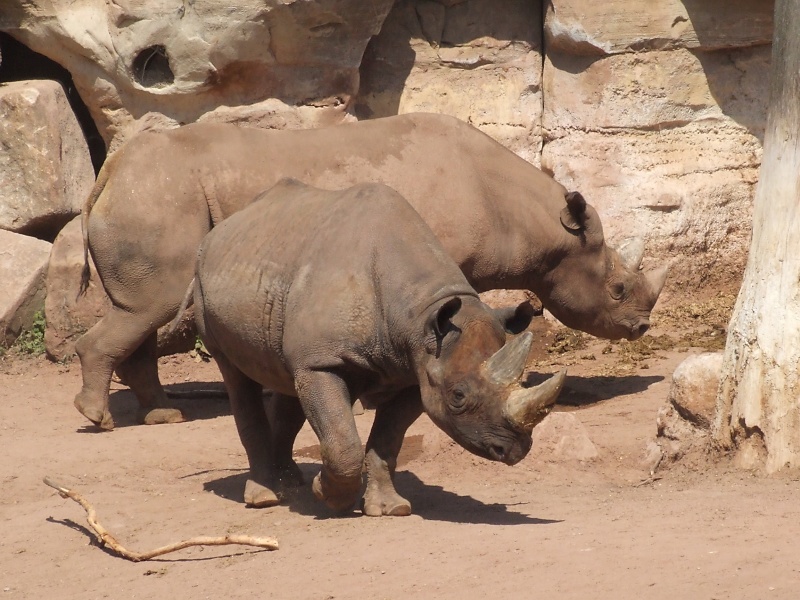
(548, 527)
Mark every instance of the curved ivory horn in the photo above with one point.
(631, 252)
(656, 279)
(505, 366)
(526, 407)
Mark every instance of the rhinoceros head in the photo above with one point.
(595, 288)
(471, 385)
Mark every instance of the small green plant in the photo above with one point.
(31, 341)
(200, 352)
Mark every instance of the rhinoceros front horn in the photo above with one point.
(505, 366)
(631, 252)
(526, 407)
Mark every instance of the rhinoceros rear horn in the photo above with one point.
(526, 407)
(631, 252)
(505, 366)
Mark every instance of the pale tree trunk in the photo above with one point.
(758, 403)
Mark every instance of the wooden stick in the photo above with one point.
(108, 540)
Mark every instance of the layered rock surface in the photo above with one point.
(45, 169)
(287, 63)
(657, 114)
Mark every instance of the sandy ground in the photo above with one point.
(548, 527)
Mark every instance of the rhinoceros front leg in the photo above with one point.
(254, 433)
(286, 418)
(140, 372)
(392, 420)
(326, 403)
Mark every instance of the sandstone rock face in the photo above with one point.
(656, 113)
(598, 28)
(23, 261)
(68, 315)
(45, 169)
(290, 62)
(466, 59)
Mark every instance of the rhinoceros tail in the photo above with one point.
(88, 204)
(188, 300)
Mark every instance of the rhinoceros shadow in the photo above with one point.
(197, 400)
(430, 502)
(582, 391)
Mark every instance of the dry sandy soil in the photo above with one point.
(549, 527)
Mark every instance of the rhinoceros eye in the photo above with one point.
(617, 290)
(458, 400)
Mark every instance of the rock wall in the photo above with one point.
(655, 111)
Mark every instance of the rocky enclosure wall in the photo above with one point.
(654, 110)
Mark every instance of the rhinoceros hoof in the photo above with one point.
(377, 504)
(259, 496)
(161, 416)
(97, 415)
(340, 502)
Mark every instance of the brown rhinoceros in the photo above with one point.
(324, 296)
(504, 222)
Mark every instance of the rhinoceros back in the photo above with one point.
(318, 278)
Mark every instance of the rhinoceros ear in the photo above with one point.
(440, 322)
(573, 216)
(515, 319)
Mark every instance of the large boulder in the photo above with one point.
(289, 62)
(23, 261)
(45, 169)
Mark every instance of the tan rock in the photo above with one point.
(693, 391)
(23, 261)
(468, 60)
(45, 169)
(597, 28)
(562, 436)
(656, 90)
(189, 59)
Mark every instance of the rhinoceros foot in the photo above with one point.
(259, 496)
(160, 416)
(98, 415)
(340, 500)
(380, 502)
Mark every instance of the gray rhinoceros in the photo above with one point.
(325, 296)
(504, 222)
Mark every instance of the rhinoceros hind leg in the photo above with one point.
(392, 419)
(101, 350)
(286, 418)
(139, 371)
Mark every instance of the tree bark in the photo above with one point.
(758, 402)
